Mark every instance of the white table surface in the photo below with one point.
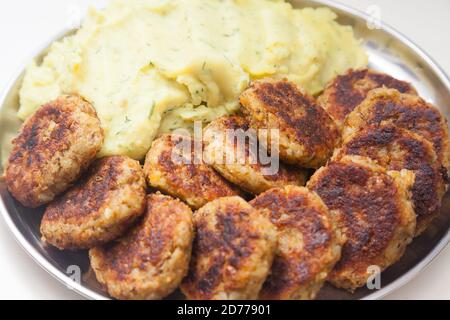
(26, 24)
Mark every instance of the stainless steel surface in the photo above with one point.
(389, 51)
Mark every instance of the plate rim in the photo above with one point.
(90, 294)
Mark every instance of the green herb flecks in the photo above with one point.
(152, 110)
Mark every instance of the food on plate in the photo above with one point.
(307, 134)
(103, 205)
(233, 150)
(174, 165)
(342, 95)
(121, 86)
(232, 253)
(373, 209)
(151, 260)
(53, 148)
(406, 111)
(395, 149)
(308, 247)
(150, 66)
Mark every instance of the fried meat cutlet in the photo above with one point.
(307, 134)
(173, 166)
(389, 106)
(232, 149)
(150, 261)
(373, 209)
(100, 208)
(53, 148)
(343, 94)
(308, 247)
(232, 253)
(395, 149)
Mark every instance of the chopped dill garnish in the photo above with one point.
(152, 109)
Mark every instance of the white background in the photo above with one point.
(26, 24)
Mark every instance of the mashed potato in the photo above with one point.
(152, 66)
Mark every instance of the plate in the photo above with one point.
(389, 51)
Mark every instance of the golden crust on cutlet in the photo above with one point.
(227, 136)
(396, 149)
(373, 209)
(308, 247)
(150, 261)
(308, 135)
(347, 91)
(383, 106)
(109, 198)
(53, 148)
(232, 253)
(180, 172)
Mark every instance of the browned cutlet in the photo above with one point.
(232, 253)
(373, 209)
(238, 160)
(307, 134)
(347, 91)
(54, 147)
(308, 247)
(395, 149)
(150, 261)
(100, 208)
(181, 172)
(383, 106)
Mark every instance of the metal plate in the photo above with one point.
(389, 52)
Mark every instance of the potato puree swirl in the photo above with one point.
(151, 66)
